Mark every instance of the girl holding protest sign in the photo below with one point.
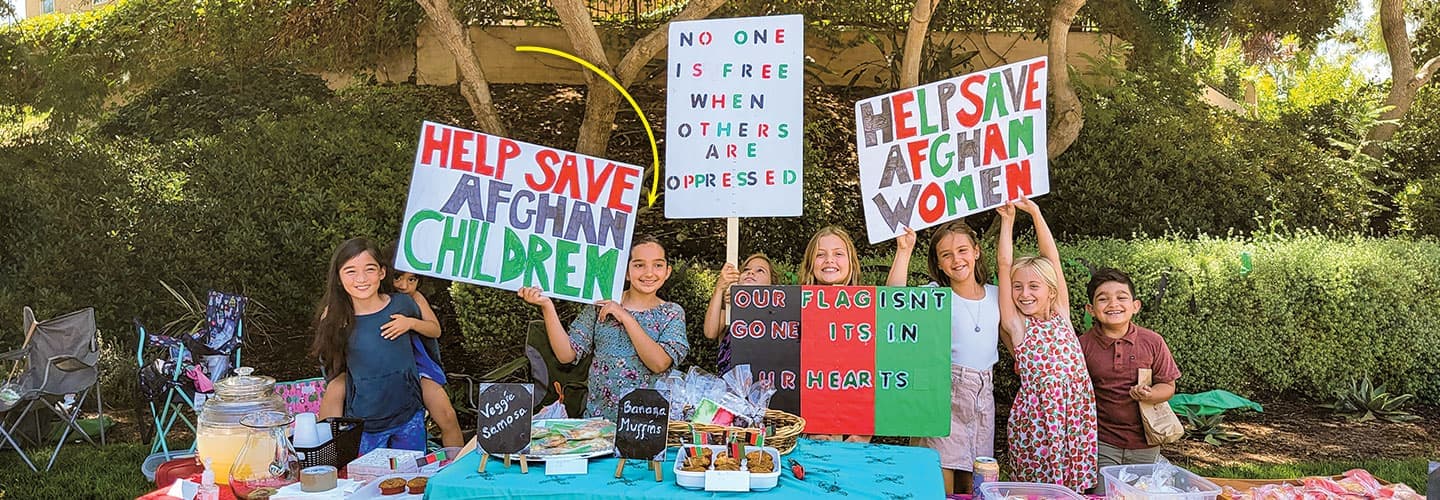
(355, 333)
(831, 260)
(758, 270)
(955, 261)
(427, 362)
(1052, 427)
(635, 340)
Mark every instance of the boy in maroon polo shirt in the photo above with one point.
(1115, 350)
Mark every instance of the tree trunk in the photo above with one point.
(1405, 80)
(915, 42)
(602, 100)
(473, 84)
(1065, 127)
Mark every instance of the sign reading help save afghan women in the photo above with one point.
(947, 149)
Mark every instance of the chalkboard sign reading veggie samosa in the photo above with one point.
(502, 424)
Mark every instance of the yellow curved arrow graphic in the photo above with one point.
(654, 150)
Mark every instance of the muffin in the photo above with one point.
(760, 462)
(392, 486)
(726, 462)
(417, 485)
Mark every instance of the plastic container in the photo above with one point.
(1183, 480)
(758, 481)
(219, 434)
(338, 451)
(1026, 491)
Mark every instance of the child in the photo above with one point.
(956, 262)
(1115, 351)
(427, 355)
(635, 340)
(1052, 423)
(355, 329)
(758, 270)
(831, 259)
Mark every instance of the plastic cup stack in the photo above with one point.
(306, 435)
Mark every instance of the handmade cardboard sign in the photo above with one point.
(947, 149)
(734, 118)
(502, 424)
(851, 360)
(641, 424)
(497, 212)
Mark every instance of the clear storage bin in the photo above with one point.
(1026, 491)
(1125, 482)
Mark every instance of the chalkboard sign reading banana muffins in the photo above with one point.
(640, 428)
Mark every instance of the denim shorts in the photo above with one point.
(407, 436)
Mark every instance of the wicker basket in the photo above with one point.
(787, 429)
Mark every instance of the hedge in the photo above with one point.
(1310, 313)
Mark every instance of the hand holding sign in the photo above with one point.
(641, 427)
(502, 424)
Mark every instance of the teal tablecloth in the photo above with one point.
(832, 470)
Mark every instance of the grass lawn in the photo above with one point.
(1412, 472)
(81, 471)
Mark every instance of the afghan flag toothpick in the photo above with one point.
(694, 436)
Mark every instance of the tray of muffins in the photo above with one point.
(693, 461)
(404, 485)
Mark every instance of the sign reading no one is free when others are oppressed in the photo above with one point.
(951, 148)
(734, 135)
(497, 212)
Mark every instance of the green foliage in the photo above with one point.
(1363, 401)
(1210, 429)
(1420, 208)
(938, 60)
(1148, 135)
(1312, 312)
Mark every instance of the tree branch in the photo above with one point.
(473, 84)
(915, 37)
(1405, 81)
(1069, 116)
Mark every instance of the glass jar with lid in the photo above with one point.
(219, 435)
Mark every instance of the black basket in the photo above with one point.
(341, 449)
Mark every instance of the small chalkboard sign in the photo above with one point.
(641, 427)
(502, 423)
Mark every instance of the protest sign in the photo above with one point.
(851, 360)
(947, 149)
(497, 212)
(734, 118)
(502, 422)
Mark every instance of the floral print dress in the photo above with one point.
(1052, 424)
(617, 368)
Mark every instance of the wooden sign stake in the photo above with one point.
(620, 468)
(507, 461)
(659, 473)
(524, 465)
(484, 458)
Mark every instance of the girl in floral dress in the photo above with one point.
(1052, 423)
(635, 340)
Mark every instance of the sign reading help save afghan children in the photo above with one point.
(498, 212)
(944, 150)
(734, 130)
(851, 360)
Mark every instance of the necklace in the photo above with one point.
(974, 315)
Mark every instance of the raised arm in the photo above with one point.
(1010, 319)
(900, 267)
(554, 330)
(1046, 240)
(715, 313)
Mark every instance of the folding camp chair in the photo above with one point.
(59, 359)
(165, 384)
(208, 353)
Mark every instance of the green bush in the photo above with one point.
(1420, 208)
(1310, 313)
